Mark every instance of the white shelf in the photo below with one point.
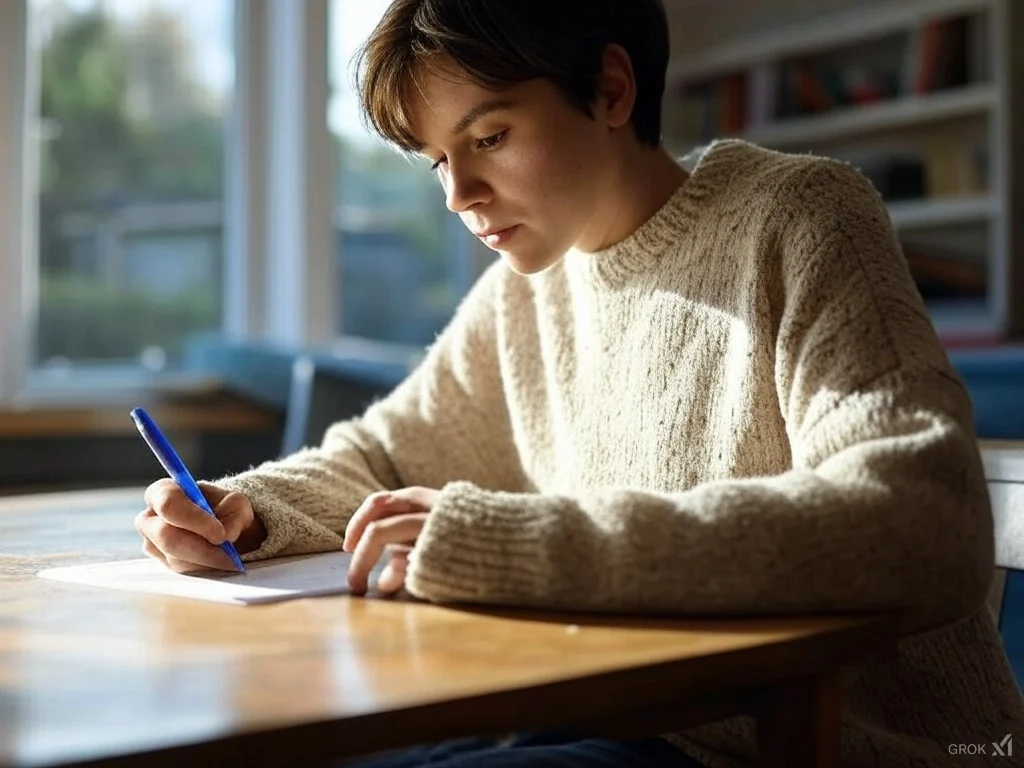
(921, 214)
(906, 111)
(827, 31)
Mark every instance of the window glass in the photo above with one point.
(404, 260)
(133, 102)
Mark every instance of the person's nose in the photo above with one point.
(463, 189)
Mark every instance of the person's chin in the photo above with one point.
(528, 263)
(528, 255)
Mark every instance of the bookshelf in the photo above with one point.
(922, 95)
(844, 122)
(909, 215)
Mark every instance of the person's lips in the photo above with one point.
(496, 237)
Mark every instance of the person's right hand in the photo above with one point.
(184, 538)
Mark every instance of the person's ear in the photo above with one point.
(616, 87)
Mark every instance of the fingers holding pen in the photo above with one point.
(172, 563)
(166, 500)
(179, 549)
(233, 509)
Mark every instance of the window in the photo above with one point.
(184, 184)
(133, 98)
(404, 260)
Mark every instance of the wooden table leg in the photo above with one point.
(798, 723)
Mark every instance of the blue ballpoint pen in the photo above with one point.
(175, 467)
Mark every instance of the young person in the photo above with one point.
(706, 392)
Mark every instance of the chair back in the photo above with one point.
(322, 393)
(1004, 471)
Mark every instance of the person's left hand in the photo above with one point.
(390, 520)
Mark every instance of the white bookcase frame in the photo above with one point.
(1000, 98)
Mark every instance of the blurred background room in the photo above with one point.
(189, 204)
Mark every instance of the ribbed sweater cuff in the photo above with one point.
(482, 546)
(275, 519)
(269, 510)
(288, 531)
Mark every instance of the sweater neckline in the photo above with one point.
(641, 251)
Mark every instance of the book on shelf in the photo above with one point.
(941, 55)
(946, 275)
(938, 54)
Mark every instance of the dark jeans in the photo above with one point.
(533, 750)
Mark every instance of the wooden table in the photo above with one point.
(100, 677)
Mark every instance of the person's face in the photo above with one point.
(527, 173)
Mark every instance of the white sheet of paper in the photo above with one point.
(267, 581)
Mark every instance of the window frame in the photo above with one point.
(18, 252)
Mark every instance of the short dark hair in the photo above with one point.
(500, 43)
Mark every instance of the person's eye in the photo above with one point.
(492, 141)
(437, 164)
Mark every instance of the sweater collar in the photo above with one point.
(647, 245)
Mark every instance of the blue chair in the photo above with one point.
(1004, 469)
(325, 390)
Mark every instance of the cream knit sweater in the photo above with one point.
(742, 408)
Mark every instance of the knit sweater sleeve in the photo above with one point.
(447, 420)
(885, 506)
